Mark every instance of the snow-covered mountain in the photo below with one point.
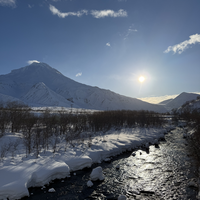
(180, 100)
(41, 85)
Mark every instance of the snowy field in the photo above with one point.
(18, 172)
(55, 109)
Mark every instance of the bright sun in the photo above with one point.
(141, 79)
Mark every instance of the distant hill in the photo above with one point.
(180, 100)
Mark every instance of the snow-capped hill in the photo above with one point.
(35, 67)
(41, 95)
(40, 84)
(181, 99)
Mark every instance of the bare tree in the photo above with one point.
(28, 130)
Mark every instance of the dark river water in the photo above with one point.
(169, 172)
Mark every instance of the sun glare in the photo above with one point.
(141, 79)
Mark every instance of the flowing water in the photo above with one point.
(168, 171)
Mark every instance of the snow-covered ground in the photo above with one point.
(56, 109)
(18, 172)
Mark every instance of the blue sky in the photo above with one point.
(107, 43)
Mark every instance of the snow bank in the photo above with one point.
(18, 173)
(47, 172)
(78, 163)
(15, 179)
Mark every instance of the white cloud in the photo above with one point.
(55, 11)
(32, 61)
(108, 44)
(79, 74)
(11, 3)
(179, 48)
(108, 13)
(94, 13)
(159, 99)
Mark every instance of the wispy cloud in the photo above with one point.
(130, 30)
(108, 44)
(158, 99)
(32, 61)
(30, 6)
(108, 13)
(94, 13)
(11, 3)
(55, 11)
(179, 48)
(79, 74)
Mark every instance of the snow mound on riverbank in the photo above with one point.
(15, 179)
(19, 172)
(97, 174)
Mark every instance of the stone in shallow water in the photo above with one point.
(51, 190)
(135, 191)
(107, 160)
(122, 197)
(89, 184)
(147, 192)
(117, 167)
(133, 154)
(192, 184)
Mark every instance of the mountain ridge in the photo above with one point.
(56, 89)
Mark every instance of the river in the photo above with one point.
(168, 171)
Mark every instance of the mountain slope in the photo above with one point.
(40, 84)
(165, 102)
(40, 94)
(181, 99)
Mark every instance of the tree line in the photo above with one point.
(38, 129)
(192, 117)
(193, 120)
